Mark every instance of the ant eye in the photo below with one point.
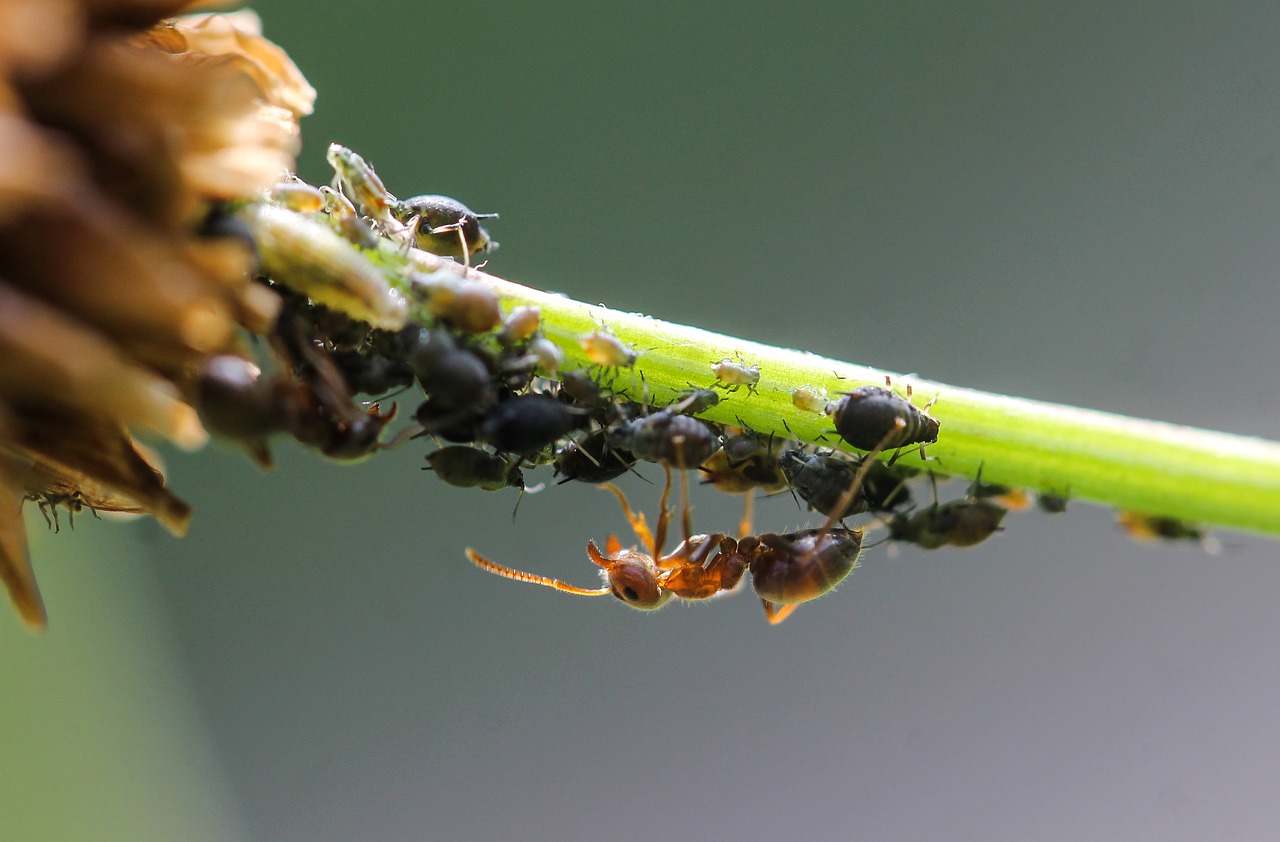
(629, 594)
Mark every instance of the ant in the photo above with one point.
(786, 570)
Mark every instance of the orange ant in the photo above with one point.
(786, 569)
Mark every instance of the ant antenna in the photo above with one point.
(531, 578)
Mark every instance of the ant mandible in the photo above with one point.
(786, 569)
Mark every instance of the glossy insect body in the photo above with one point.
(446, 227)
(603, 348)
(746, 461)
(869, 414)
(733, 375)
(469, 467)
(960, 523)
(591, 459)
(789, 569)
(821, 481)
(672, 439)
(528, 423)
(810, 399)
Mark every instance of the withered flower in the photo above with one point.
(121, 130)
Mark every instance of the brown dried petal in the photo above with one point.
(51, 359)
(15, 560)
(77, 445)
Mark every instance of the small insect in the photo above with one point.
(1146, 527)
(821, 481)
(324, 266)
(458, 380)
(372, 373)
(605, 349)
(529, 423)
(365, 186)
(810, 399)
(445, 227)
(1014, 499)
(520, 325)
(469, 306)
(549, 355)
(868, 414)
(591, 459)
(1050, 503)
(694, 402)
(297, 196)
(678, 441)
(959, 523)
(469, 467)
(732, 375)
(745, 462)
(75, 499)
(786, 570)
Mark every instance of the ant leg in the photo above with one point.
(748, 505)
(686, 514)
(532, 578)
(775, 613)
(856, 485)
(639, 525)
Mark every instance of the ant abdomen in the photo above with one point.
(800, 566)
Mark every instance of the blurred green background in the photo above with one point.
(1076, 203)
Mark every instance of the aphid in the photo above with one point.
(457, 380)
(549, 355)
(324, 266)
(821, 481)
(1145, 527)
(678, 441)
(694, 402)
(591, 459)
(810, 399)
(469, 467)
(446, 227)
(733, 375)
(470, 306)
(583, 390)
(869, 414)
(1015, 499)
(745, 462)
(297, 196)
(520, 325)
(1050, 503)
(528, 423)
(365, 185)
(960, 523)
(786, 570)
(372, 373)
(603, 348)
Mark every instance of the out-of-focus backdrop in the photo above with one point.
(1075, 204)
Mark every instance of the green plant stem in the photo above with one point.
(1195, 475)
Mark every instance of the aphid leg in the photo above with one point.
(775, 613)
(534, 579)
(462, 237)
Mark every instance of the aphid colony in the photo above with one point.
(496, 404)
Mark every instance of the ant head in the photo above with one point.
(632, 577)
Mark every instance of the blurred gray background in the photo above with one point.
(1079, 205)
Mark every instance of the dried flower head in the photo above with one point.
(122, 132)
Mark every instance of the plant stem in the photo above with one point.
(1195, 475)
